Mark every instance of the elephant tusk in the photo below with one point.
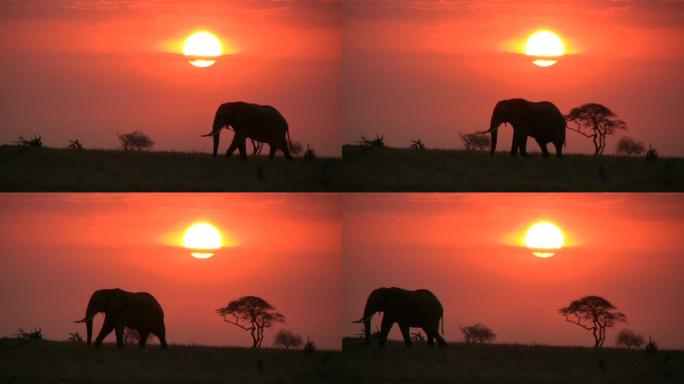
(361, 320)
(85, 319)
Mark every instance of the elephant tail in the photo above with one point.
(289, 141)
(442, 324)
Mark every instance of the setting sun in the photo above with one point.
(544, 239)
(202, 239)
(546, 47)
(202, 48)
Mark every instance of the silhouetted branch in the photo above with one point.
(578, 322)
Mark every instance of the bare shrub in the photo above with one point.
(628, 146)
(476, 141)
(135, 141)
(628, 338)
(287, 339)
(479, 333)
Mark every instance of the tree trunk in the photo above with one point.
(596, 145)
(254, 337)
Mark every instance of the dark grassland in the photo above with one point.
(48, 169)
(53, 362)
(393, 169)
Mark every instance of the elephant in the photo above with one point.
(540, 120)
(261, 123)
(135, 310)
(419, 308)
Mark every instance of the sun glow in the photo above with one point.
(202, 239)
(546, 47)
(544, 239)
(202, 48)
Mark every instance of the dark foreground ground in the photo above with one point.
(394, 169)
(52, 362)
(47, 169)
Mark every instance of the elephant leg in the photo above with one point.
(242, 147)
(559, 150)
(286, 150)
(119, 330)
(143, 338)
(161, 335)
(430, 337)
(516, 143)
(405, 332)
(544, 150)
(384, 330)
(523, 145)
(107, 328)
(440, 340)
(233, 146)
(272, 151)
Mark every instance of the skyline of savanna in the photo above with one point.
(89, 70)
(60, 248)
(433, 70)
(341, 191)
(471, 251)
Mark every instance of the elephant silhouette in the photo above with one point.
(539, 120)
(135, 310)
(260, 123)
(419, 308)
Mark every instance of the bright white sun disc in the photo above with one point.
(202, 236)
(544, 44)
(544, 238)
(202, 48)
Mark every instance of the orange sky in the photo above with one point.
(59, 248)
(431, 69)
(625, 247)
(87, 70)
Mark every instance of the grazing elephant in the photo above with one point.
(261, 123)
(419, 309)
(135, 310)
(541, 121)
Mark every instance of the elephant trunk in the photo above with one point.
(91, 311)
(493, 129)
(219, 123)
(89, 330)
(366, 320)
(217, 137)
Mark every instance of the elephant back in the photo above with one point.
(148, 303)
(428, 300)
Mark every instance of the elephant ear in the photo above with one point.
(117, 301)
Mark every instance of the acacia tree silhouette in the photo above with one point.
(596, 122)
(595, 314)
(253, 314)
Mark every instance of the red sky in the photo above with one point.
(87, 70)
(624, 247)
(431, 69)
(59, 248)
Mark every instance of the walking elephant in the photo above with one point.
(419, 308)
(261, 123)
(135, 310)
(539, 120)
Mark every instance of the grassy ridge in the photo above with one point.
(54, 362)
(47, 169)
(509, 363)
(393, 169)
(58, 362)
